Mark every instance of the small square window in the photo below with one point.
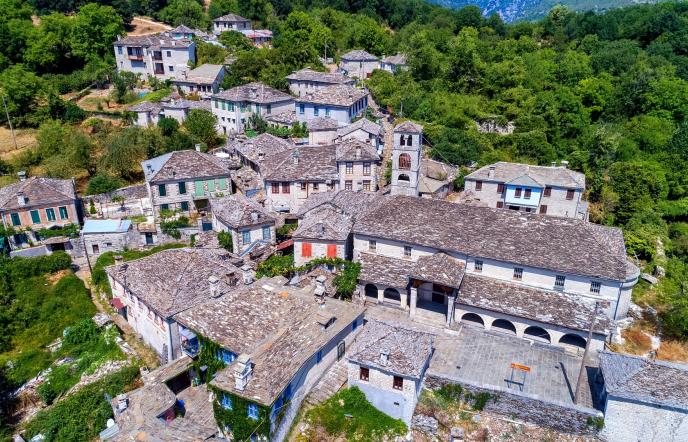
(315, 186)
(407, 251)
(547, 192)
(349, 168)
(348, 185)
(170, 68)
(304, 186)
(500, 188)
(478, 265)
(517, 192)
(184, 206)
(569, 194)
(364, 374)
(527, 193)
(372, 245)
(226, 401)
(398, 383)
(595, 287)
(169, 53)
(366, 185)
(478, 186)
(559, 281)
(518, 273)
(164, 207)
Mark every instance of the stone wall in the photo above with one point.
(572, 419)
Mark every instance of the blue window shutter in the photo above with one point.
(185, 206)
(162, 190)
(63, 213)
(50, 214)
(246, 236)
(266, 232)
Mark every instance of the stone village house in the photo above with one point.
(108, 235)
(204, 80)
(234, 107)
(341, 102)
(158, 55)
(358, 64)
(247, 220)
(307, 80)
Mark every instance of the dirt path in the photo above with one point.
(147, 26)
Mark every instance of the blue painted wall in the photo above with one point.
(533, 201)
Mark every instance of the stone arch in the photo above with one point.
(503, 325)
(537, 334)
(370, 290)
(392, 294)
(404, 161)
(404, 177)
(472, 319)
(573, 340)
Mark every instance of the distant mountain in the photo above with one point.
(513, 10)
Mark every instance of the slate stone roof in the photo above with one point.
(237, 211)
(541, 175)
(137, 191)
(186, 104)
(146, 106)
(322, 123)
(439, 268)
(398, 59)
(319, 77)
(265, 144)
(383, 270)
(154, 41)
(275, 325)
(638, 379)
(286, 117)
(183, 165)
(353, 149)
(408, 351)
(540, 305)
(363, 124)
(337, 95)
(203, 74)
(254, 93)
(349, 202)
(174, 280)
(305, 163)
(232, 18)
(38, 191)
(409, 126)
(326, 224)
(559, 244)
(358, 55)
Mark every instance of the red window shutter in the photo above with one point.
(478, 186)
(332, 250)
(543, 208)
(500, 204)
(517, 193)
(569, 194)
(285, 187)
(548, 191)
(306, 250)
(500, 188)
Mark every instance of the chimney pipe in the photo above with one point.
(565, 164)
(246, 274)
(214, 283)
(243, 369)
(320, 228)
(198, 147)
(22, 175)
(384, 357)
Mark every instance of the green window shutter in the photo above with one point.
(223, 106)
(185, 206)
(182, 188)
(211, 185)
(222, 184)
(164, 207)
(16, 220)
(162, 190)
(198, 188)
(35, 217)
(50, 214)
(63, 213)
(231, 107)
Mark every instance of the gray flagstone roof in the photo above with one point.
(38, 191)
(319, 77)
(543, 175)
(409, 126)
(358, 55)
(255, 92)
(182, 165)
(237, 211)
(363, 124)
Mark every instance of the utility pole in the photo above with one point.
(14, 138)
(593, 319)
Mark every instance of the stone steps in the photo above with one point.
(332, 381)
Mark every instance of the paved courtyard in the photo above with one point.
(484, 358)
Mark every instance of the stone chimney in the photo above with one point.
(243, 370)
(491, 171)
(456, 434)
(22, 175)
(295, 157)
(119, 259)
(214, 283)
(254, 216)
(565, 164)
(320, 286)
(198, 147)
(246, 274)
(554, 164)
(21, 199)
(384, 357)
(252, 93)
(261, 155)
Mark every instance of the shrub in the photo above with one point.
(225, 240)
(83, 331)
(450, 392)
(102, 183)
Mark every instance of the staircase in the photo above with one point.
(331, 382)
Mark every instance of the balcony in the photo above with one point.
(134, 55)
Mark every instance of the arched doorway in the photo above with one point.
(504, 326)
(370, 290)
(392, 295)
(472, 319)
(573, 340)
(537, 334)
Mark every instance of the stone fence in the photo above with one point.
(516, 405)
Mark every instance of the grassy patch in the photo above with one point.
(676, 351)
(82, 416)
(154, 96)
(349, 414)
(637, 341)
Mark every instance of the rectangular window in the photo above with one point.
(64, 214)
(182, 188)
(302, 109)
(16, 220)
(332, 250)
(543, 209)
(253, 411)
(478, 265)
(306, 250)
(242, 107)
(518, 273)
(35, 217)
(198, 188)
(169, 53)
(95, 248)
(398, 383)
(500, 188)
(372, 245)
(364, 374)
(222, 184)
(275, 188)
(366, 168)
(50, 214)
(517, 192)
(478, 186)
(211, 185)
(285, 187)
(366, 185)
(230, 107)
(216, 106)
(315, 186)
(184, 205)
(349, 168)
(500, 204)
(119, 50)
(162, 190)
(595, 287)
(559, 281)
(407, 251)
(266, 232)
(304, 186)
(316, 111)
(164, 207)
(348, 185)
(246, 237)
(223, 105)
(569, 194)
(268, 109)
(548, 191)
(170, 68)
(526, 194)
(327, 111)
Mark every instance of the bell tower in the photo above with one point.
(406, 157)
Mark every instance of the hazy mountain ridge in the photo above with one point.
(514, 10)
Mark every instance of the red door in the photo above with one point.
(332, 250)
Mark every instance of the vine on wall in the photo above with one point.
(237, 419)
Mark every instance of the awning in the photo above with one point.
(117, 303)
(285, 244)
